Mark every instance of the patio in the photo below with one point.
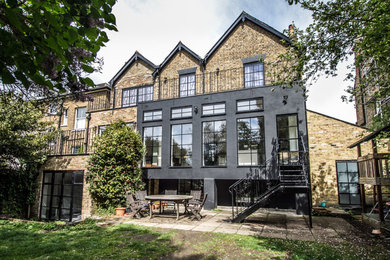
(265, 223)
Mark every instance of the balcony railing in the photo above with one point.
(204, 83)
(99, 101)
(374, 169)
(73, 142)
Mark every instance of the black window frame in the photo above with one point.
(136, 95)
(146, 148)
(123, 97)
(290, 162)
(181, 112)
(249, 105)
(61, 189)
(152, 115)
(261, 141)
(348, 182)
(181, 144)
(213, 109)
(216, 144)
(187, 75)
(262, 73)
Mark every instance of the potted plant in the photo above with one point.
(120, 211)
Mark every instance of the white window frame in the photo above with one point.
(78, 121)
(65, 117)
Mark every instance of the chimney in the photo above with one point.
(291, 32)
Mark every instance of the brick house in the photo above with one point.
(215, 123)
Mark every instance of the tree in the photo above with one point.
(23, 143)
(343, 30)
(51, 45)
(114, 169)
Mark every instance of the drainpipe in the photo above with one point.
(87, 133)
(60, 114)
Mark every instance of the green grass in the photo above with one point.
(275, 248)
(81, 241)
(88, 241)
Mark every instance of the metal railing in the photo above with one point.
(201, 84)
(99, 101)
(73, 142)
(260, 182)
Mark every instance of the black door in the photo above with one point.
(62, 193)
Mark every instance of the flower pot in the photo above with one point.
(120, 212)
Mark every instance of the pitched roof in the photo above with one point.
(180, 46)
(244, 16)
(133, 58)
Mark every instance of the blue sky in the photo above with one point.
(154, 27)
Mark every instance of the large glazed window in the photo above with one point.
(129, 97)
(288, 139)
(214, 143)
(254, 74)
(145, 94)
(80, 118)
(348, 182)
(255, 104)
(62, 194)
(213, 109)
(187, 85)
(181, 145)
(152, 142)
(250, 132)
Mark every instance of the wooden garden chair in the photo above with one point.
(135, 207)
(140, 197)
(170, 192)
(196, 208)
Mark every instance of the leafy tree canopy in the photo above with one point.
(113, 170)
(52, 44)
(23, 142)
(342, 30)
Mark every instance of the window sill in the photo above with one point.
(157, 167)
(224, 114)
(213, 167)
(249, 111)
(180, 167)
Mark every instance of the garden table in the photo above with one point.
(175, 198)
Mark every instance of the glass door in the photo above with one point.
(348, 182)
(62, 195)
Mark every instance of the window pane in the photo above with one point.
(250, 141)
(181, 147)
(152, 142)
(187, 85)
(254, 74)
(214, 143)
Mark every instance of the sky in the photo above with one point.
(154, 27)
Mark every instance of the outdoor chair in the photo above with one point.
(135, 206)
(140, 197)
(196, 208)
(386, 209)
(196, 197)
(170, 192)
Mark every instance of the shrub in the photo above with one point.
(113, 169)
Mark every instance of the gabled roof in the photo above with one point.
(133, 58)
(180, 46)
(244, 16)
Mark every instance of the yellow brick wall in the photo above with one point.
(247, 40)
(329, 139)
(138, 74)
(181, 60)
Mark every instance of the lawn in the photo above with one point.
(89, 241)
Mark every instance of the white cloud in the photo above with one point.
(154, 27)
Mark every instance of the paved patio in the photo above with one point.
(264, 223)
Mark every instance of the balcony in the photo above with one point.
(73, 142)
(374, 169)
(98, 101)
(203, 83)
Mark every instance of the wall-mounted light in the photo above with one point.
(165, 80)
(285, 100)
(217, 71)
(196, 110)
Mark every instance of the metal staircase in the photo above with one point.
(252, 192)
